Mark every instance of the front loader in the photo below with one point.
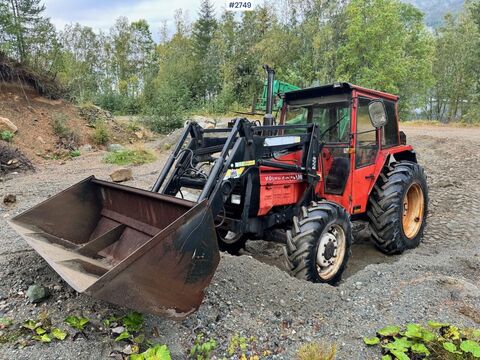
(334, 156)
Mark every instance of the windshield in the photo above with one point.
(333, 119)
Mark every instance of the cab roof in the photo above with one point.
(334, 89)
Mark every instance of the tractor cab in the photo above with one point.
(351, 140)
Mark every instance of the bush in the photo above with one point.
(74, 153)
(317, 351)
(6, 135)
(101, 135)
(126, 157)
(68, 138)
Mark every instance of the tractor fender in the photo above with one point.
(386, 156)
(408, 155)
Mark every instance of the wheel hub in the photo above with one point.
(413, 208)
(327, 249)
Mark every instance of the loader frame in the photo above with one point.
(246, 147)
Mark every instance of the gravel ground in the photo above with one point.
(251, 296)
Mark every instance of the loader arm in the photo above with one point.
(240, 148)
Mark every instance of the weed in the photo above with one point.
(438, 341)
(317, 351)
(74, 153)
(68, 138)
(101, 135)
(126, 157)
(6, 135)
(78, 323)
(201, 349)
(160, 352)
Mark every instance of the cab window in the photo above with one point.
(390, 130)
(367, 142)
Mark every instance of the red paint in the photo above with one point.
(284, 188)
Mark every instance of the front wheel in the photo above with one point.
(318, 246)
(230, 241)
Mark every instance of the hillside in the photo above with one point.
(48, 129)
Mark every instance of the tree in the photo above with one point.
(27, 33)
(207, 64)
(81, 63)
(456, 69)
(387, 47)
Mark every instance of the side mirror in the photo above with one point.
(377, 112)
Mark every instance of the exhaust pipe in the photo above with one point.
(268, 119)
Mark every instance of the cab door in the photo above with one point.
(366, 152)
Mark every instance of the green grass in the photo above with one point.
(6, 135)
(127, 157)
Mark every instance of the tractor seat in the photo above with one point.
(337, 176)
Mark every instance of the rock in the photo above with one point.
(40, 140)
(139, 135)
(115, 147)
(7, 125)
(37, 293)
(9, 199)
(122, 174)
(118, 330)
(86, 148)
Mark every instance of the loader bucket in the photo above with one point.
(131, 247)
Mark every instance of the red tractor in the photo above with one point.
(335, 156)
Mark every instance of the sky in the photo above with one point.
(101, 14)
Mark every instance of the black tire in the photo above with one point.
(386, 207)
(232, 246)
(313, 228)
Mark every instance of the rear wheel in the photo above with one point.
(398, 207)
(230, 241)
(318, 246)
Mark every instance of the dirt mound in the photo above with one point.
(14, 72)
(13, 160)
(51, 129)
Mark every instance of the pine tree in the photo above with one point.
(25, 26)
(202, 34)
(204, 28)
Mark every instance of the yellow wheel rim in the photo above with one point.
(413, 208)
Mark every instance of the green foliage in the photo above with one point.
(59, 333)
(371, 341)
(5, 323)
(457, 84)
(133, 321)
(74, 153)
(440, 341)
(127, 157)
(77, 322)
(124, 335)
(68, 137)
(6, 135)
(157, 352)
(316, 351)
(387, 47)
(214, 64)
(202, 349)
(101, 135)
(42, 330)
